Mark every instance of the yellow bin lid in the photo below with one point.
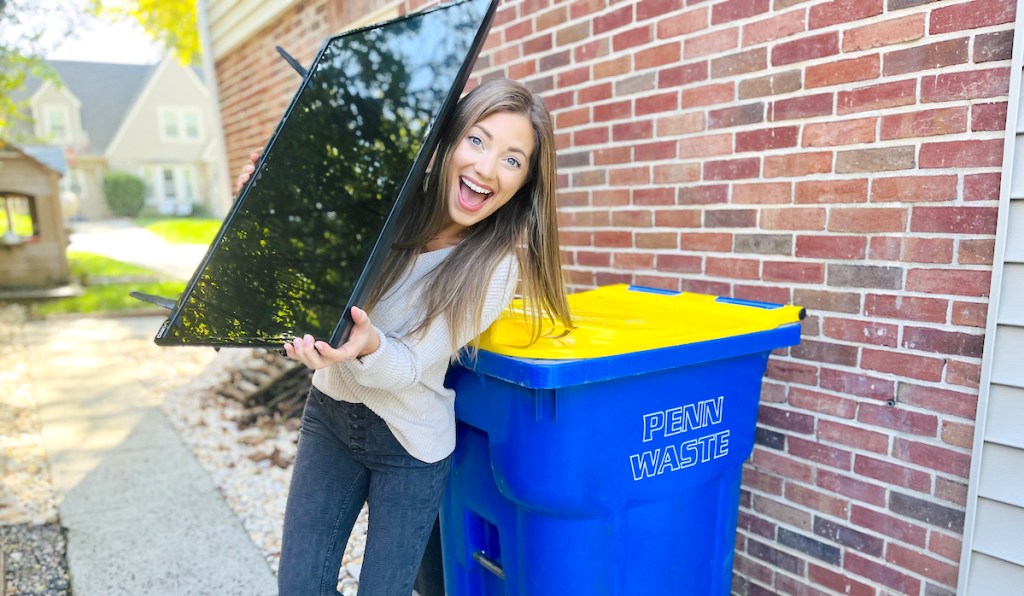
(620, 319)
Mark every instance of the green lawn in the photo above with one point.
(181, 230)
(110, 296)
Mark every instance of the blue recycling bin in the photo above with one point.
(607, 461)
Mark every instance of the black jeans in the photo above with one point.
(348, 456)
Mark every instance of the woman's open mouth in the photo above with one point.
(472, 196)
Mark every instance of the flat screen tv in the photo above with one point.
(308, 233)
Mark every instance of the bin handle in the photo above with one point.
(489, 564)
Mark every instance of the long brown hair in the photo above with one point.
(526, 225)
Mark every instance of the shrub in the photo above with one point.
(125, 193)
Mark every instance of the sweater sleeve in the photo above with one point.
(399, 362)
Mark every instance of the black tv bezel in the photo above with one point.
(386, 236)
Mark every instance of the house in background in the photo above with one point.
(154, 121)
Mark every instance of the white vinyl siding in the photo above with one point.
(993, 551)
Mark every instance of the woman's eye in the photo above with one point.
(512, 162)
(475, 140)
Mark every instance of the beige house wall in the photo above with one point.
(41, 261)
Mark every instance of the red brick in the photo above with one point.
(864, 332)
(773, 28)
(676, 173)
(784, 466)
(668, 53)
(832, 191)
(773, 84)
(928, 250)
(613, 20)
(946, 343)
(973, 84)
(830, 301)
(733, 10)
(594, 93)
(935, 55)
(614, 155)
(679, 124)
(854, 488)
(887, 525)
(892, 473)
(857, 384)
(684, 74)
(814, 499)
(632, 38)
(904, 189)
(982, 187)
(971, 15)
(631, 131)
(578, 32)
(767, 138)
(962, 154)
(807, 48)
(838, 583)
(732, 268)
(629, 176)
(905, 307)
(649, 196)
(944, 401)
(679, 263)
(950, 490)
(883, 574)
(885, 248)
(739, 63)
(707, 194)
(957, 434)
(954, 220)
(832, 405)
(797, 164)
(831, 247)
(792, 372)
(956, 282)
(842, 71)
(613, 239)
(591, 136)
(682, 24)
(899, 419)
(976, 252)
(825, 352)
(942, 121)
(660, 150)
(589, 51)
(805, 106)
(843, 132)
(798, 272)
(787, 514)
(793, 218)
(964, 374)
(732, 169)
(875, 160)
(593, 259)
(868, 220)
(988, 116)
(716, 41)
(662, 102)
(633, 261)
(730, 218)
(885, 33)
(843, 11)
(613, 67)
(853, 436)
(707, 241)
(993, 46)
(932, 457)
(715, 93)
(762, 192)
(877, 97)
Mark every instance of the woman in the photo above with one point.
(379, 425)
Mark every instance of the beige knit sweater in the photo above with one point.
(403, 380)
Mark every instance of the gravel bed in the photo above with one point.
(32, 543)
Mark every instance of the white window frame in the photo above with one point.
(179, 116)
(51, 109)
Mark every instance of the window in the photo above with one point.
(71, 181)
(57, 123)
(180, 124)
(172, 188)
(19, 222)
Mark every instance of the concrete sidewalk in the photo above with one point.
(142, 515)
(120, 239)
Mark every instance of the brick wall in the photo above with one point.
(842, 155)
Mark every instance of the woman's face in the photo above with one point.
(489, 165)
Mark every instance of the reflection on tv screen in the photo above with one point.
(296, 251)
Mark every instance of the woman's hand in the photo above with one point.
(317, 354)
(247, 170)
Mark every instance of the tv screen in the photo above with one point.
(308, 233)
